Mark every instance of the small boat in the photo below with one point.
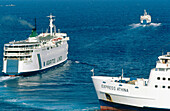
(129, 93)
(145, 19)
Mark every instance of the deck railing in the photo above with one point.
(17, 54)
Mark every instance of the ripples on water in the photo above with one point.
(50, 90)
(104, 35)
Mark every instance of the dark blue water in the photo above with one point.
(104, 34)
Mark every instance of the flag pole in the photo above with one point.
(92, 71)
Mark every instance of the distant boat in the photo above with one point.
(136, 94)
(145, 19)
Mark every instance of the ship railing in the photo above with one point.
(158, 62)
(16, 54)
(20, 49)
(21, 59)
(10, 58)
(161, 69)
(168, 62)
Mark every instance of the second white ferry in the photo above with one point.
(36, 53)
(122, 93)
(145, 19)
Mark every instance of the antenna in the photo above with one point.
(122, 74)
(51, 24)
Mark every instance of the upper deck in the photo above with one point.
(121, 81)
(164, 61)
(45, 40)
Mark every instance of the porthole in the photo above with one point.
(168, 87)
(164, 78)
(158, 78)
(156, 86)
(163, 86)
(168, 79)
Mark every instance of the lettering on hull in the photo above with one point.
(114, 88)
(52, 61)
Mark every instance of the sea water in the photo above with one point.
(104, 34)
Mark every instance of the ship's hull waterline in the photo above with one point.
(106, 105)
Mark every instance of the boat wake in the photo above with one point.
(140, 25)
(135, 25)
(77, 62)
(155, 24)
(5, 78)
(84, 63)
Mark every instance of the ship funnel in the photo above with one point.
(34, 32)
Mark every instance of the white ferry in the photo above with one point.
(145, 19)
(122, 93)
(36, 53)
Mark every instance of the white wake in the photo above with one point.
(140, 25)
(155, 24)
(5, 78)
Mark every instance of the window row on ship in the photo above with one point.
(22, 47)
(162, 69)
(156, 86)
(18, 52)
(162, 79)
(21, 58)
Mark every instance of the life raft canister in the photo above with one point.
(56, 39)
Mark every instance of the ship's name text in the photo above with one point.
(114, 88)
(50, 61)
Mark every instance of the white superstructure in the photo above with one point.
(136, 93)
(37, 52)
(145, 19)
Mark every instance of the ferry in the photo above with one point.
(136, 94)
(36, 53)
(145, 19)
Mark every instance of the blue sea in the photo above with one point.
(104, 34)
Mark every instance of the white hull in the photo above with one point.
(145, 19)
(36, 53)
(140, 94)
(48, 58)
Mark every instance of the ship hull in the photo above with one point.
(42, 59)
(106, 105)
(113, 95)
(145, 22)
(35, 72)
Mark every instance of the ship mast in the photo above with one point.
(145, 13)
(51, 24)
